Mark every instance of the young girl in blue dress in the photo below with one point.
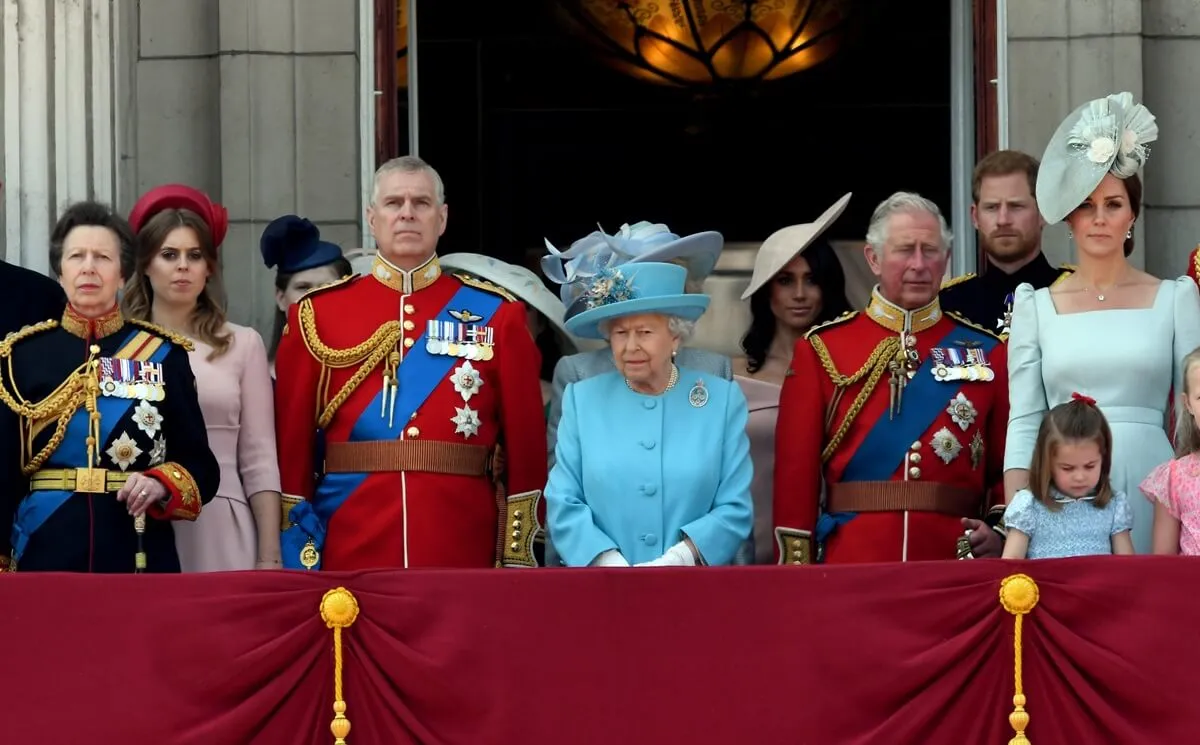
(1070, 507)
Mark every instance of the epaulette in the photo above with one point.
(1065, 270)
(173, 336)
(973, 325)
(957, 280)
(24, 333)
(324, 288)
(484, 285)
(848, 315)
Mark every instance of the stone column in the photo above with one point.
(1171, 54)
(1062, 53)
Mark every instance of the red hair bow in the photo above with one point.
(1085, 399)
(179, 196)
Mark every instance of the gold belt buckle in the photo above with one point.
(91, 480)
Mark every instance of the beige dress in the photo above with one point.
(763, 400)
(239, 413)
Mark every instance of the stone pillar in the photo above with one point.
(1062, 53)
(59, 116)
(255, 102)
(1171, 54)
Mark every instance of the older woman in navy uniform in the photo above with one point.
(100, 425)
(652, 466)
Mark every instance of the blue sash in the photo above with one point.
(884, 448)
(420, 374)
(37, 507)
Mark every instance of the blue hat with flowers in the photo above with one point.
(294, 244)
(633, 244)
(642, 287)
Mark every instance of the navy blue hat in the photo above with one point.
(294, 244)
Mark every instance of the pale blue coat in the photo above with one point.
(638, 473)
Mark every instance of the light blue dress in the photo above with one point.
(1128, 360)
(638, 473)
(1078, 528)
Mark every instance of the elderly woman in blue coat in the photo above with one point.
(652, 465)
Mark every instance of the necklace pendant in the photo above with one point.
(1100, 298)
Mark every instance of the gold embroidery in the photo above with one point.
(970, 324)
(1067, 270)
(521, 528)
(847, 316)
(874, 368)
(957, 280)
(893, 317)
(177, 479)
(486, 286)
(402, 281)
(109, 323)
(172, 336)
(795, 546)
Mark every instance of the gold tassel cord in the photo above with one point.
(1019, 596)
(339, 609)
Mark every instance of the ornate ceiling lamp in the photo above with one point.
(711, 43)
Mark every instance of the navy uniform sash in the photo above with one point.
(37, 507)
(883, 449)
(419, 375)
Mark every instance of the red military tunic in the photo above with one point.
(909, 474)
(339, 344)
(1193, 267)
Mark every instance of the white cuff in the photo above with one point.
(679, 555)
(610, 558)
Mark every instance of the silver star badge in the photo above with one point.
(962, 411)
(467, 380)
(945, 445)
(466, 421)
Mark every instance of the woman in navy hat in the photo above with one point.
(652, 464)
(292, 246)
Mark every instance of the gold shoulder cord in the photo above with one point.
(379, 347)
(61, 404)
(873, 369)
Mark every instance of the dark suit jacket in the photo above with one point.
(27, 297)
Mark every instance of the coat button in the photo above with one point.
(650, 539)
(413, 432)
(916, 446)
(408, 343)
(648, 444)
(649, 489)
(914, 472)
(409, 325)
(408, 308)
(914, 458)
(649, 403)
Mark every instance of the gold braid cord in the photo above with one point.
(874, 368)
(368, 355)
(172, 336)
(60, 405)
(339, 609)
(1018, 595)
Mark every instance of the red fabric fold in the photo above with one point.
(897, 654)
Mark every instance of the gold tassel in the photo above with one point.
(1018, 595)
(339, 609)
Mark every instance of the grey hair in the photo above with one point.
(679, 328)
(409, 164)
(903, 202)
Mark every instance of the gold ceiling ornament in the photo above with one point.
(706, 43)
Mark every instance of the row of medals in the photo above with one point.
(470, 350)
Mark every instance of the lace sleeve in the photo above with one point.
(1022, 513)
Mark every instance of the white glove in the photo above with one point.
(610, 558)
(679, 555)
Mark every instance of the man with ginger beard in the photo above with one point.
(1005, 213)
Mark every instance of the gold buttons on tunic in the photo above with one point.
(914, 473)
(409, 325)
(408, 343)
(408, 308)
(916, 446)
(413, 432)
(914, 458)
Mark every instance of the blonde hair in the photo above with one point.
(1076, 420)
(1187, 435)
(208, 317)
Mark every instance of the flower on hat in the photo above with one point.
(607, 287)
(1101, 150)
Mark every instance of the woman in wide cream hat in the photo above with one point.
(797, 283)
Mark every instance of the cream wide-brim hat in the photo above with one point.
(520, 282)
(787, 243)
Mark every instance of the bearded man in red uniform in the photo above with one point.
(407, 404)
(900, 411)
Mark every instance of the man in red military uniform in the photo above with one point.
(408, 407)
(1193, 267)
(901, 410)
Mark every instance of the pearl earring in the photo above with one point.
(1070, 235)
(1129, 233)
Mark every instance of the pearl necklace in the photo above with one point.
(670, 382)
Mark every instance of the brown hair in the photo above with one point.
(1187, 435)
(1133, 185)
(1004, 163)
(208, 317)
(1078, 419)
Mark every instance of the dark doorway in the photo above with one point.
(536, 137)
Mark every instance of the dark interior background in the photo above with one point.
(537, 137)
